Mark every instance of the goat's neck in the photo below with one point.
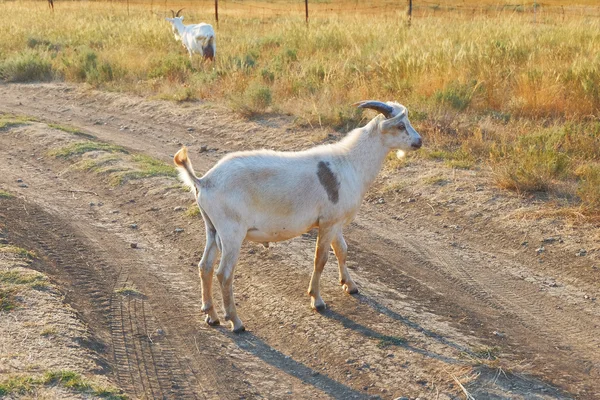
(367, 154)
(180, 27)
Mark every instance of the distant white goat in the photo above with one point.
(198, 38)
(269, 196)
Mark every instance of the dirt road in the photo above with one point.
(456, 293)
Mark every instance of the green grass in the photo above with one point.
(547, 157)
(459, 158)
(395, 163)
(18, 385)
(4, 248)
(8, 121)
(435, 180)
(34, 281)
(102, 164)
(26, 67)
(193, 211)
(73, 130)
(387, 341)
(5, 195)
(80, 148)
(20, 278)
(49, 331)
(255, 100)
(117, 162)
(22, 385)
(145, 167)
(588, 189)
(7, 300)
(486, 353)
(129, 291)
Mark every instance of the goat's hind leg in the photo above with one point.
(341, 250)
(231, 246)
(206, 267)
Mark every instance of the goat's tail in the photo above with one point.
(186, 171)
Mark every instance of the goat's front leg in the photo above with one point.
(321, 255)
(206, 267)
(229, 256)
(341, 250)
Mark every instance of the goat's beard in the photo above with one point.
(400, 153)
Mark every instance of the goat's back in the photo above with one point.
(270, 191)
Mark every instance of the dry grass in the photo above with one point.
(491, 88)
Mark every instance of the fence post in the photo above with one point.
(409, 12)
(306, 10)
(217, 12)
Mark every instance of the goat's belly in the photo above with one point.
(275, 235)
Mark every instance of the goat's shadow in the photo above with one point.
(490, 383)
(380, 308)
(384, 340)
(256, 346)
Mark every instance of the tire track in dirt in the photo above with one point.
(80, 242)
(541, 317)
(85, 270)
(52, 239)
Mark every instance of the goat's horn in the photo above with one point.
(173, 13)
(377, 106)
(178, 11)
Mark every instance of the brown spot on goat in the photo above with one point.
(329, 181)
(208, 52)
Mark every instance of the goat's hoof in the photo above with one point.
(349, 290)
(211, 322)
(319, 307)
(239, 330)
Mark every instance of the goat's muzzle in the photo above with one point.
(417, 145)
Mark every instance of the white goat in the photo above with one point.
(198, 38)
(269, 196)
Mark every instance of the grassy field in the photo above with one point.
(486, 90)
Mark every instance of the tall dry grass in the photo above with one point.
(521, 96)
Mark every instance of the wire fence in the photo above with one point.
(323, 8)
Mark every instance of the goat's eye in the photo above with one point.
(401, 126)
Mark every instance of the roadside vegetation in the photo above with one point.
(495, 91)
(114, 161)
(14, 250)
(72, 381)
(8, 121)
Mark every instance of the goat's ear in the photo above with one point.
(395, 121)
